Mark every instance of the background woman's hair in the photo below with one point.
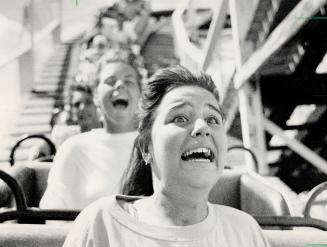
(137, 179)
(122, 55)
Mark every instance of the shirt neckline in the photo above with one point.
(102, 133)
(168, 233)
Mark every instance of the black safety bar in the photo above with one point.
(16, 189)
(289, 221)
(26, 214)
(35, 215)
(26, 137)
(254, 157)
(314, 194)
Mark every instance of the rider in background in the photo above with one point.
(90, 165)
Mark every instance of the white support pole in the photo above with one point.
(26, 61)
(297, 146)
(251, 112)
(216, 26)
(57, 32)
(250, 105)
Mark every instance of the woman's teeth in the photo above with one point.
(198, 155)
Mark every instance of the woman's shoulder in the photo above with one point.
(110, 203)
(229, 214)
(82, 138)
(98, 207)
(104, 210)
(101, 204)
(234, 222)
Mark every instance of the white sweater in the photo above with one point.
(105, 224)
(86, 167)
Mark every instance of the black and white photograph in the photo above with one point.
(163, 123)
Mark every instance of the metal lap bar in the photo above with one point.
(291, 221)
(26, 137)
(16, 190)
(35, 215)
(315, 192)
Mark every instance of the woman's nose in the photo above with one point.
(81, 106)
(200, 128)
(119, 83)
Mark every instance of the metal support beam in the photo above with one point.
(292, 23)
(297, 146)
(216, 26)
(250, 106)
(253, 133)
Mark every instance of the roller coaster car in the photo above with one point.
(245, 191)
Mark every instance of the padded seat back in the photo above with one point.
(259, 198)
(32, 177)
(296, 238)
(41, 172)
(227, 189)
(25, 178)
(27, 235)
(249, 193)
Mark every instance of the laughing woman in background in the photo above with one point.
(179, 155)
(90, 165)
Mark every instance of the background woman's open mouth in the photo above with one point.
(120, 103)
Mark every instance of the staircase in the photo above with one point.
(38, 105)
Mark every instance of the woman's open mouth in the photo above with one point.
(198, 155)
(120, 103)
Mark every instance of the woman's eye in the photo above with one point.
(111, 81)
(130, 82)
(180, 119)
(213, 120)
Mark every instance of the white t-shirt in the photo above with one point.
(105, 223)
(86, 167)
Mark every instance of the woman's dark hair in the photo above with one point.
(137, 179)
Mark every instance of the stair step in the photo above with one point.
(56, 63)
(32, 120)
(36, 103)
(28, 129)
(56, 72)
(47, 88)
(4, 165)
(49, 77)
(37, 111)
(20, 155)
(47, 80)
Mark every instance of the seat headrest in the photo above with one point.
(227, 189)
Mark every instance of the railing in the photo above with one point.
(25, 54)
